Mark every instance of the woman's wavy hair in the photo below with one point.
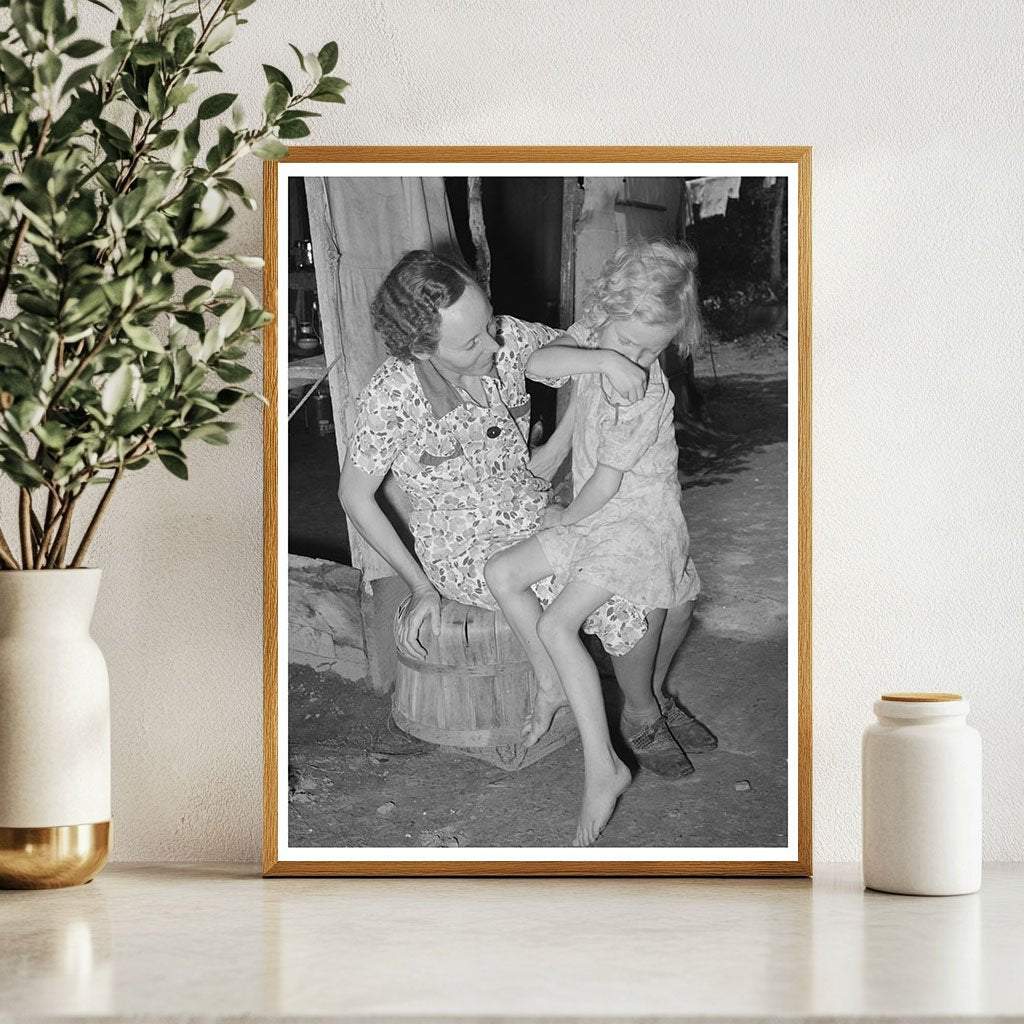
(406, 310)
(653, 280)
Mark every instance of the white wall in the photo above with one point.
(914, 113)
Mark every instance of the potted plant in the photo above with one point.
(122, 339)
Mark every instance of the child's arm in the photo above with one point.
(602, 486)
(562, 357)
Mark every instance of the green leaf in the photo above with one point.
(324, 96)
(232, 373)
(222, 281)
(53, 14)
(193, 379)
(26, 20)
(328, 57)
(49, 68)
(116, 390)
(133, 12)
(21, 471)
(293, 130)
(109, 65)
(276, 100)
(26, 413)
(181, 94)
(16, 70)
(232, 319)
(333, 84)
(144, 338)
(128, 421)
(310, 65)
(269, 149)
(227, 397)
(53, 435)
(156, 101)
(211, 433)
(83, 48)
(214, 105)
(184, 44)
(221, 35)
(279, 77)
(149, 53)
(175, 465)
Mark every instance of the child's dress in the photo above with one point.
(636, 546)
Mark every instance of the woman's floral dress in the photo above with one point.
(637, 545)
(463, 468)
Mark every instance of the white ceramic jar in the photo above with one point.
(921, 778)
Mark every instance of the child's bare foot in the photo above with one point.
(545, 704)
(601, 792)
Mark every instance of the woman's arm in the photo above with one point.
(562, 357)
(602, 486)
(546, 458)
(357, 491)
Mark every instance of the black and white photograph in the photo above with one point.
(537, 525)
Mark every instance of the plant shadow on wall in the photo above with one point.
(123, 333)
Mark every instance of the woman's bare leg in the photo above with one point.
(510, 574)
(606, 778)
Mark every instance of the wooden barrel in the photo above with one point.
(474, 690)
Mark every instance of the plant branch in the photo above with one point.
(25, 522)
(87, 357)
(22, 229)
(60, 543)
(94, 523)
(6, 554)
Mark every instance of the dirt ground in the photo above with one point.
(353, 781)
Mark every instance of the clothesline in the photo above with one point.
(711, 196)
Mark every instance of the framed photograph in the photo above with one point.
(538, 512)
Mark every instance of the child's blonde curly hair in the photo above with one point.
(653, 280)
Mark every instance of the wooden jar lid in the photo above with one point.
(921, 698)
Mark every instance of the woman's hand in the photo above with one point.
(545, 459)
(628, 379)
(552, 516)
(423, 606)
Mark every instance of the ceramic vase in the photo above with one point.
(54, 731)
(921, 771)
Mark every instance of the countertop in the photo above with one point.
(178, 941)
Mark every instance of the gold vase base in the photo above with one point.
(53, 857)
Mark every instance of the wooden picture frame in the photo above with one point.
(283, 857)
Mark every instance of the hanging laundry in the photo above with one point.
(712, 195)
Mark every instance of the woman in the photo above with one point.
(449, 414)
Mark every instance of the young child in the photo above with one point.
(624, 533)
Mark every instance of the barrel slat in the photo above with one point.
(473, 690)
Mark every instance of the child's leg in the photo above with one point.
(510, 574)
(641, 675)
(652, 741)
(677, 625)
(634, 673)
(606, 778)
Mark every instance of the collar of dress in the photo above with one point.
(442, 396)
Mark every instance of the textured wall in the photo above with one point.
(913, 110)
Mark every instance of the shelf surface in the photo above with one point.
(179, 941)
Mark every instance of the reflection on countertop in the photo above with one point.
(178, 941)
